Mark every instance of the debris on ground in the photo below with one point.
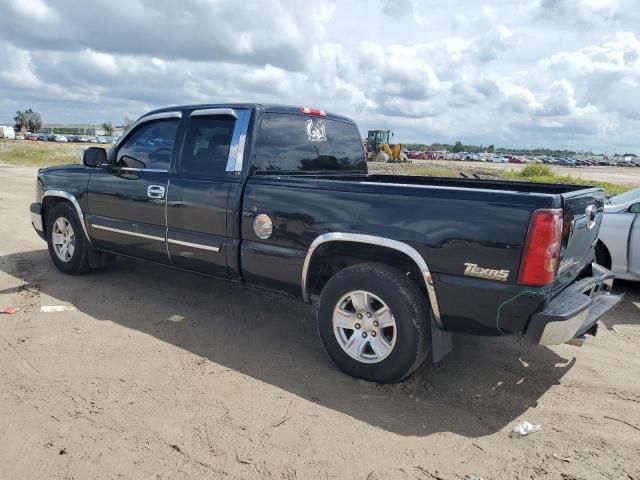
(524, 427)
(562, 459)
(56, 308)
(9, 310)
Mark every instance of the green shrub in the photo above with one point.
(536, 170)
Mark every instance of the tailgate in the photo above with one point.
(583, 211)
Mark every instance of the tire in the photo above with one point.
(404, 346)
(74, 261)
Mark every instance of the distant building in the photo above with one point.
(78, 129)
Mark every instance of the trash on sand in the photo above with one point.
(176, 318)
(525, 428)
(562, 459)
(56, 308)
(470, 476)
(9, 310)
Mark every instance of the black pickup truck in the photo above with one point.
(280, 198)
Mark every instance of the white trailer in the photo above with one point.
(7, 132)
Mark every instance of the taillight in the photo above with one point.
(313, 111)
(542, 248)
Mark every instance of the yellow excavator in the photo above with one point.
(380, 150)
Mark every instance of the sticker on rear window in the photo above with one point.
(316, 131)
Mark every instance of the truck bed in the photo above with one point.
(467, 183)
(451, 222)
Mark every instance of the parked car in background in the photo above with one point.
(516, 159)
(60, 139)
(19, 136)
(618, 247)
(567, 162)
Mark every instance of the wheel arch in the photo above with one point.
(603, 251)
(346, 249)
(51, 198)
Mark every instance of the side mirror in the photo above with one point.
(129, 162)
(94, 157)
(635, 208)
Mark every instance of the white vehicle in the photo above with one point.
(61, 138)
(7, 132)
(498, 159)
(618, 247)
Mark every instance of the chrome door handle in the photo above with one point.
(155, 191)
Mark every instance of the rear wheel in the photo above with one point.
(374, 322)
(68, 246)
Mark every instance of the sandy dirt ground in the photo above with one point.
(161, 374)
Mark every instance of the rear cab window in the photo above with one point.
(307, 144)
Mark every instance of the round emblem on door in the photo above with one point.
(263, 226)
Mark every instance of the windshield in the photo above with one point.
(378, 136)
(625, 197)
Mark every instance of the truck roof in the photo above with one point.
(272, 108)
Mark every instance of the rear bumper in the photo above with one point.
(36, 219)
(575, 311)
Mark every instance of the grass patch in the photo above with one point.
(543, 174)
(39, 154)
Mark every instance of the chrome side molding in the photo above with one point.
(76, 205)
(194, 245)
(127, 232)
(380, 241)
(158, 239)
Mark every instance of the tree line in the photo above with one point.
(32, 122)
(27, 119)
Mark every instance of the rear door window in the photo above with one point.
(301, 143)
(206, 147)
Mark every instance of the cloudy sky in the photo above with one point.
(550, 73)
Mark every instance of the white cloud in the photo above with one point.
(502, 72)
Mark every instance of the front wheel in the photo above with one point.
(374, 322)
(68, 246)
